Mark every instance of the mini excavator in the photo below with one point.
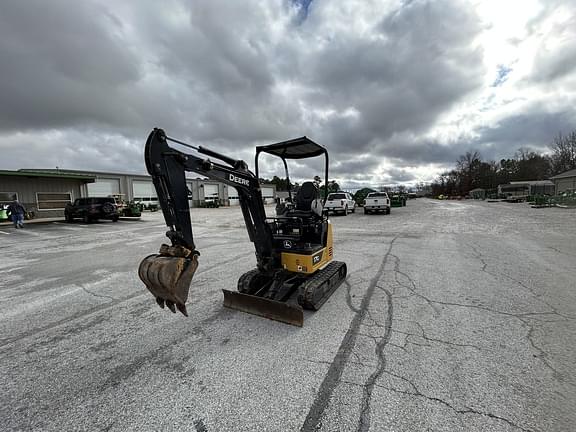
(294, 270)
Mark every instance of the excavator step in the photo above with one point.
(285, 312)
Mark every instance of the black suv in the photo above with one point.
(92, 209)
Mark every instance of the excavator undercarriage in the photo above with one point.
(295, 269)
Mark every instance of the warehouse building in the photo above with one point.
(46, 192)
(43, 194)
(565, 181)
(478, 194)
(524, 189)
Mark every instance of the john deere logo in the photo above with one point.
(239, 180)
(316, 258)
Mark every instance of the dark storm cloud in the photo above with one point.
(534, 129)
(62, 65)
(418, 62)
(343, 167)
(396, 176)
(84, 82)
(551, 65)
(70, 149)
(420, 151)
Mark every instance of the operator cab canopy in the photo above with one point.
(299, 148)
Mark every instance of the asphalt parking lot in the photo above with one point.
(456, 316)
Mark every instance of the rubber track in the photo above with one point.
(244, 281)
(330, 274)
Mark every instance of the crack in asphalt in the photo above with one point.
(86, 290)
(459, 411)
(495, 311)
(313, 420)
(320, 362)
(541, 354)
(381, 343)
(101, 307)
(412, 288)
(364, 422)
(480, 257)
(424, 336)
(357, 357)
(523, 318)
(349, 297)
(401, 347)
(561, 252)
(417, 393)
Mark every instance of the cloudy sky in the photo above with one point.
(396, 90)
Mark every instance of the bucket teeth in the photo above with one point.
(182, 308)
(168, 275)
(170, 306)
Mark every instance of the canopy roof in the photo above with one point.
(40, 173)
(299, 148)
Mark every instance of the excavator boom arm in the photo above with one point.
(168, 274)
(168, 166)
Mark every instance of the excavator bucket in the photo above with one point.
(288, 313)
(168, 275)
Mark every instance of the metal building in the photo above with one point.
(524, 189)
(45, 194)
(139, 188)
(565, 181)
(47, 191)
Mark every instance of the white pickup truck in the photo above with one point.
(340, 202)
(377, 202)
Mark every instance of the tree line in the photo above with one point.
(472, 172)
(282, 184)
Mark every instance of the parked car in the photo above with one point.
(377, 202)
(340, 202)
(127, 208)
(147, 203)
(398, 200)
(92, 209)
(3, 212)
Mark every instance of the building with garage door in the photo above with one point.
(565, 181)
(44, 194)
(127, 186)
(72, 184)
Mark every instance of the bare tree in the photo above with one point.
(467, 166)
(564, 153)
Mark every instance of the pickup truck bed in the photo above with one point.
(377, 203)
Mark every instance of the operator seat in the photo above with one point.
(308, 204)
(306, 195)
(310, 222)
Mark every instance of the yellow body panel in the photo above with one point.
(308, 264)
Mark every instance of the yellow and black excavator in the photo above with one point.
(294, 270)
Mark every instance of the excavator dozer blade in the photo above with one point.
(168, 275)
(275, 310)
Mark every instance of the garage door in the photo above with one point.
(104, 187)
(211, 191)
(233, 196)
(189, 186)
(267, 194)
(143, 189)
